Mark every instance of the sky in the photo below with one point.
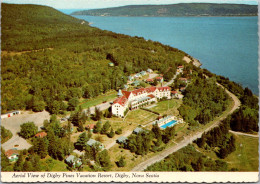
(92, 4)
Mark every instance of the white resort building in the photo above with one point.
(138, 97)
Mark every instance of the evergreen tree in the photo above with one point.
(72, 104)
(105, 128)
(81, 142)
(121, 162)
(18, 166)
(4, 161)
(27, 166)
(98, 114)
(111, 133)
(104, 159)
(97, 127)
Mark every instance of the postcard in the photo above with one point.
(129, 91)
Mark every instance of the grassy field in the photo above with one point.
(245, 158)
(50, 164)
(140, 117)
(167, 107)
(109, 96)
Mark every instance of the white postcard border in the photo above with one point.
(190, 177)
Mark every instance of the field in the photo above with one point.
(167, 107)
(245, 158)
(109, 96)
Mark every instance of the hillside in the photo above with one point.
(175, 10)
(49, 58)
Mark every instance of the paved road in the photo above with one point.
(187, 140)
(241, 133)
(152, 75)
(13, 124)
(170, 82)
(101, 107)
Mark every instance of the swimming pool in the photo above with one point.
(171, 123)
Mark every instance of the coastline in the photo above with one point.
(194, 61)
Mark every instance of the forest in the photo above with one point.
(174, 10)
(246, 118)
(50, 60)
(203, 100)
(188, 159)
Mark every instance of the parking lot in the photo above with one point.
(13, 124)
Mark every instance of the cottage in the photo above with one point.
(130, 78)
(41, 134)
(183, 80)
(10, 114)
(12, 154)
(136, 83)
(142, 73)
(121, 139)
(90, 126)
(182, 89)
(149, 70)
(173, 94)
(159, 79)
(149, 80)
(137, 130)
(92, 142)
(137, 75)
(73, 161)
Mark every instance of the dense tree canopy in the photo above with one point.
(71, 60)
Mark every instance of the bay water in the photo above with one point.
(226, 46)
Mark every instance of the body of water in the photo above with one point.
(226, 46)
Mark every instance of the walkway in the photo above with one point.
(245, 134)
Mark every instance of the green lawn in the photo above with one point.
(140, 116)
(51, 164)
(109, 96)
(166, 106)
(245, 158)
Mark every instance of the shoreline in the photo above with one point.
(194, 61)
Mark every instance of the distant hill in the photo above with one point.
(175, 10)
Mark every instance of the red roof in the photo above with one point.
(126, 93)
(152, 96)
(174, 92)
(138, 91)
(180, 66)
(164, 88)
(183, 79)
(10, 152)
(150, 89)
(121, 100)
(159, 78)
(91, 126)
(149, 80)
(41, 134)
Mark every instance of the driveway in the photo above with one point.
(101, 107)
(13, 124)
